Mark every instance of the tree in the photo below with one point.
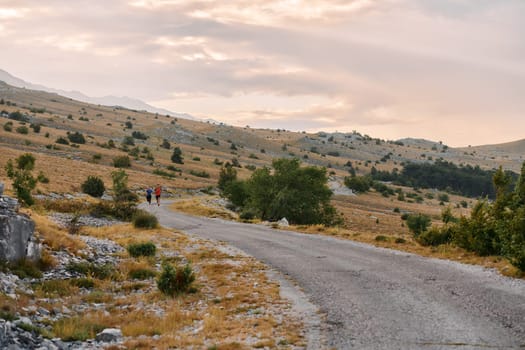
(227, 175)
(176, 157)
(23, 180)
(300, 194)
(121, 191)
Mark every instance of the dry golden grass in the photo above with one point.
(224, 310)
(55, 237)
(196, 206)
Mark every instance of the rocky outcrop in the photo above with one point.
(17, 240)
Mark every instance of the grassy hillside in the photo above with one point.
(204, 145)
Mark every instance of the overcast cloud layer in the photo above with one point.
(438, 69)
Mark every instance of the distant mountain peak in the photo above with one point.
(111, 100)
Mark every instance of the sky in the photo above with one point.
(443, 70)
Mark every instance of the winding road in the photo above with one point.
(375, 298)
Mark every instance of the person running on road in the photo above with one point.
(158, 191)
(149, 191)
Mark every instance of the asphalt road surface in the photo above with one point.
(375, 298)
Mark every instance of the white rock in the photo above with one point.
(283, 222)
(109, 335)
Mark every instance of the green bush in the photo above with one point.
(8, 126)
(62, 141)
(22, 130)
(76, 137)
(142, 249)
(36, 127)
(417, 224)
(358, 183)
(94, 186)
(42, 178)
(479, 232)
(121, 162)
(202, 173)
(175, 280)
(443, 197)
(164, 173)
(139, 135)
(143, 219)
(435, 236)
(124, 210)
(247, 214)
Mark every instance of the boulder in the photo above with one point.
(283, 222)
(109, 335)
(17, 240)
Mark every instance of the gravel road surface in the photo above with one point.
(375, 298)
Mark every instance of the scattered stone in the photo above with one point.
(64, 220)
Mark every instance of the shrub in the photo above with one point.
(42, 178)
(175, 280)
(143, 219)
(199, 173)
(358, 183)
(36, 127)
(400, 240)
(435, 236)
(443, 197)
(121, 162)
(124, 210)
(418, 223)
(76, 137)
(18, 116)
(139, 135)
(102, 271)
(94, 186)
(164, 173)
(142, 249)
(22, 130)
(128, 141)
(165, 144)
(62, 141)
(141, 274)
(381, 238)
(8, 126)
(247, 214)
